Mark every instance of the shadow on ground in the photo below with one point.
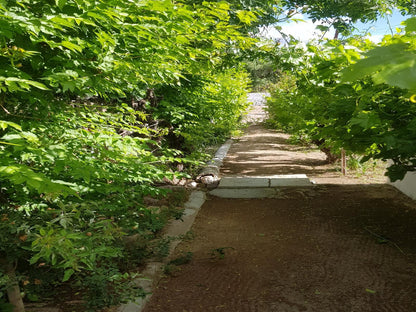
(263, 152)
(344, 244)
(331, 248)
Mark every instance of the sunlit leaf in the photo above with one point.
(71, 46)
(67, 275)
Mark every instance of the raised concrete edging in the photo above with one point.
(258, 186)
(245, 193)
(213, 166)
(264, 181)
(153, 270)
(244, 182)
(408, 185)
(221, 154)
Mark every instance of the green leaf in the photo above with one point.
(36, 84)
(60, 3)
(4, 124)
(63, 21)
(394, 64)
(399, 75)
(18, 84)
(8, 143)
(67, 275)
(246, 17)
(410, 24)
(366, 120)
(68, 85)
(322, 28)
(71, 46)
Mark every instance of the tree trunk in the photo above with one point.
(343, 162)
(330, 157)
(13, 290)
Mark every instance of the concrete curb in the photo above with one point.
(259, 186)
(265, 181)
(212, 167)
(221, 154)
(153, 270)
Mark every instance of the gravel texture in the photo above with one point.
(256, 112)
(258, 99)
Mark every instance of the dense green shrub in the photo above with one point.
(205, 111)
(352, 95)
(81, 140)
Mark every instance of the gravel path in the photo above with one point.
(258, 99)
(256, 113)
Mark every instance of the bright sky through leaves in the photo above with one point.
(383, 26)
(306, 30)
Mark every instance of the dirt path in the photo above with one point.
(264, 152)
(342, 245)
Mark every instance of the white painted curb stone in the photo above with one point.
(258, 186)
(212, 167)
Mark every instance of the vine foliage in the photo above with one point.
(353, 95)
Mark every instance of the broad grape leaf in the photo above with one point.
(366, 120)
(410, 24)
(394, 65)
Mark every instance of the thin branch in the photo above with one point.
(391, 28)
(4, 108)
(283, 36)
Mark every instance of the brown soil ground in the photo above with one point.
(346, 244)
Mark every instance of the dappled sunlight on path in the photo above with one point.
(262, 151)
(345, 244)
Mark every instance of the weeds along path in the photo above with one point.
(344, 244)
